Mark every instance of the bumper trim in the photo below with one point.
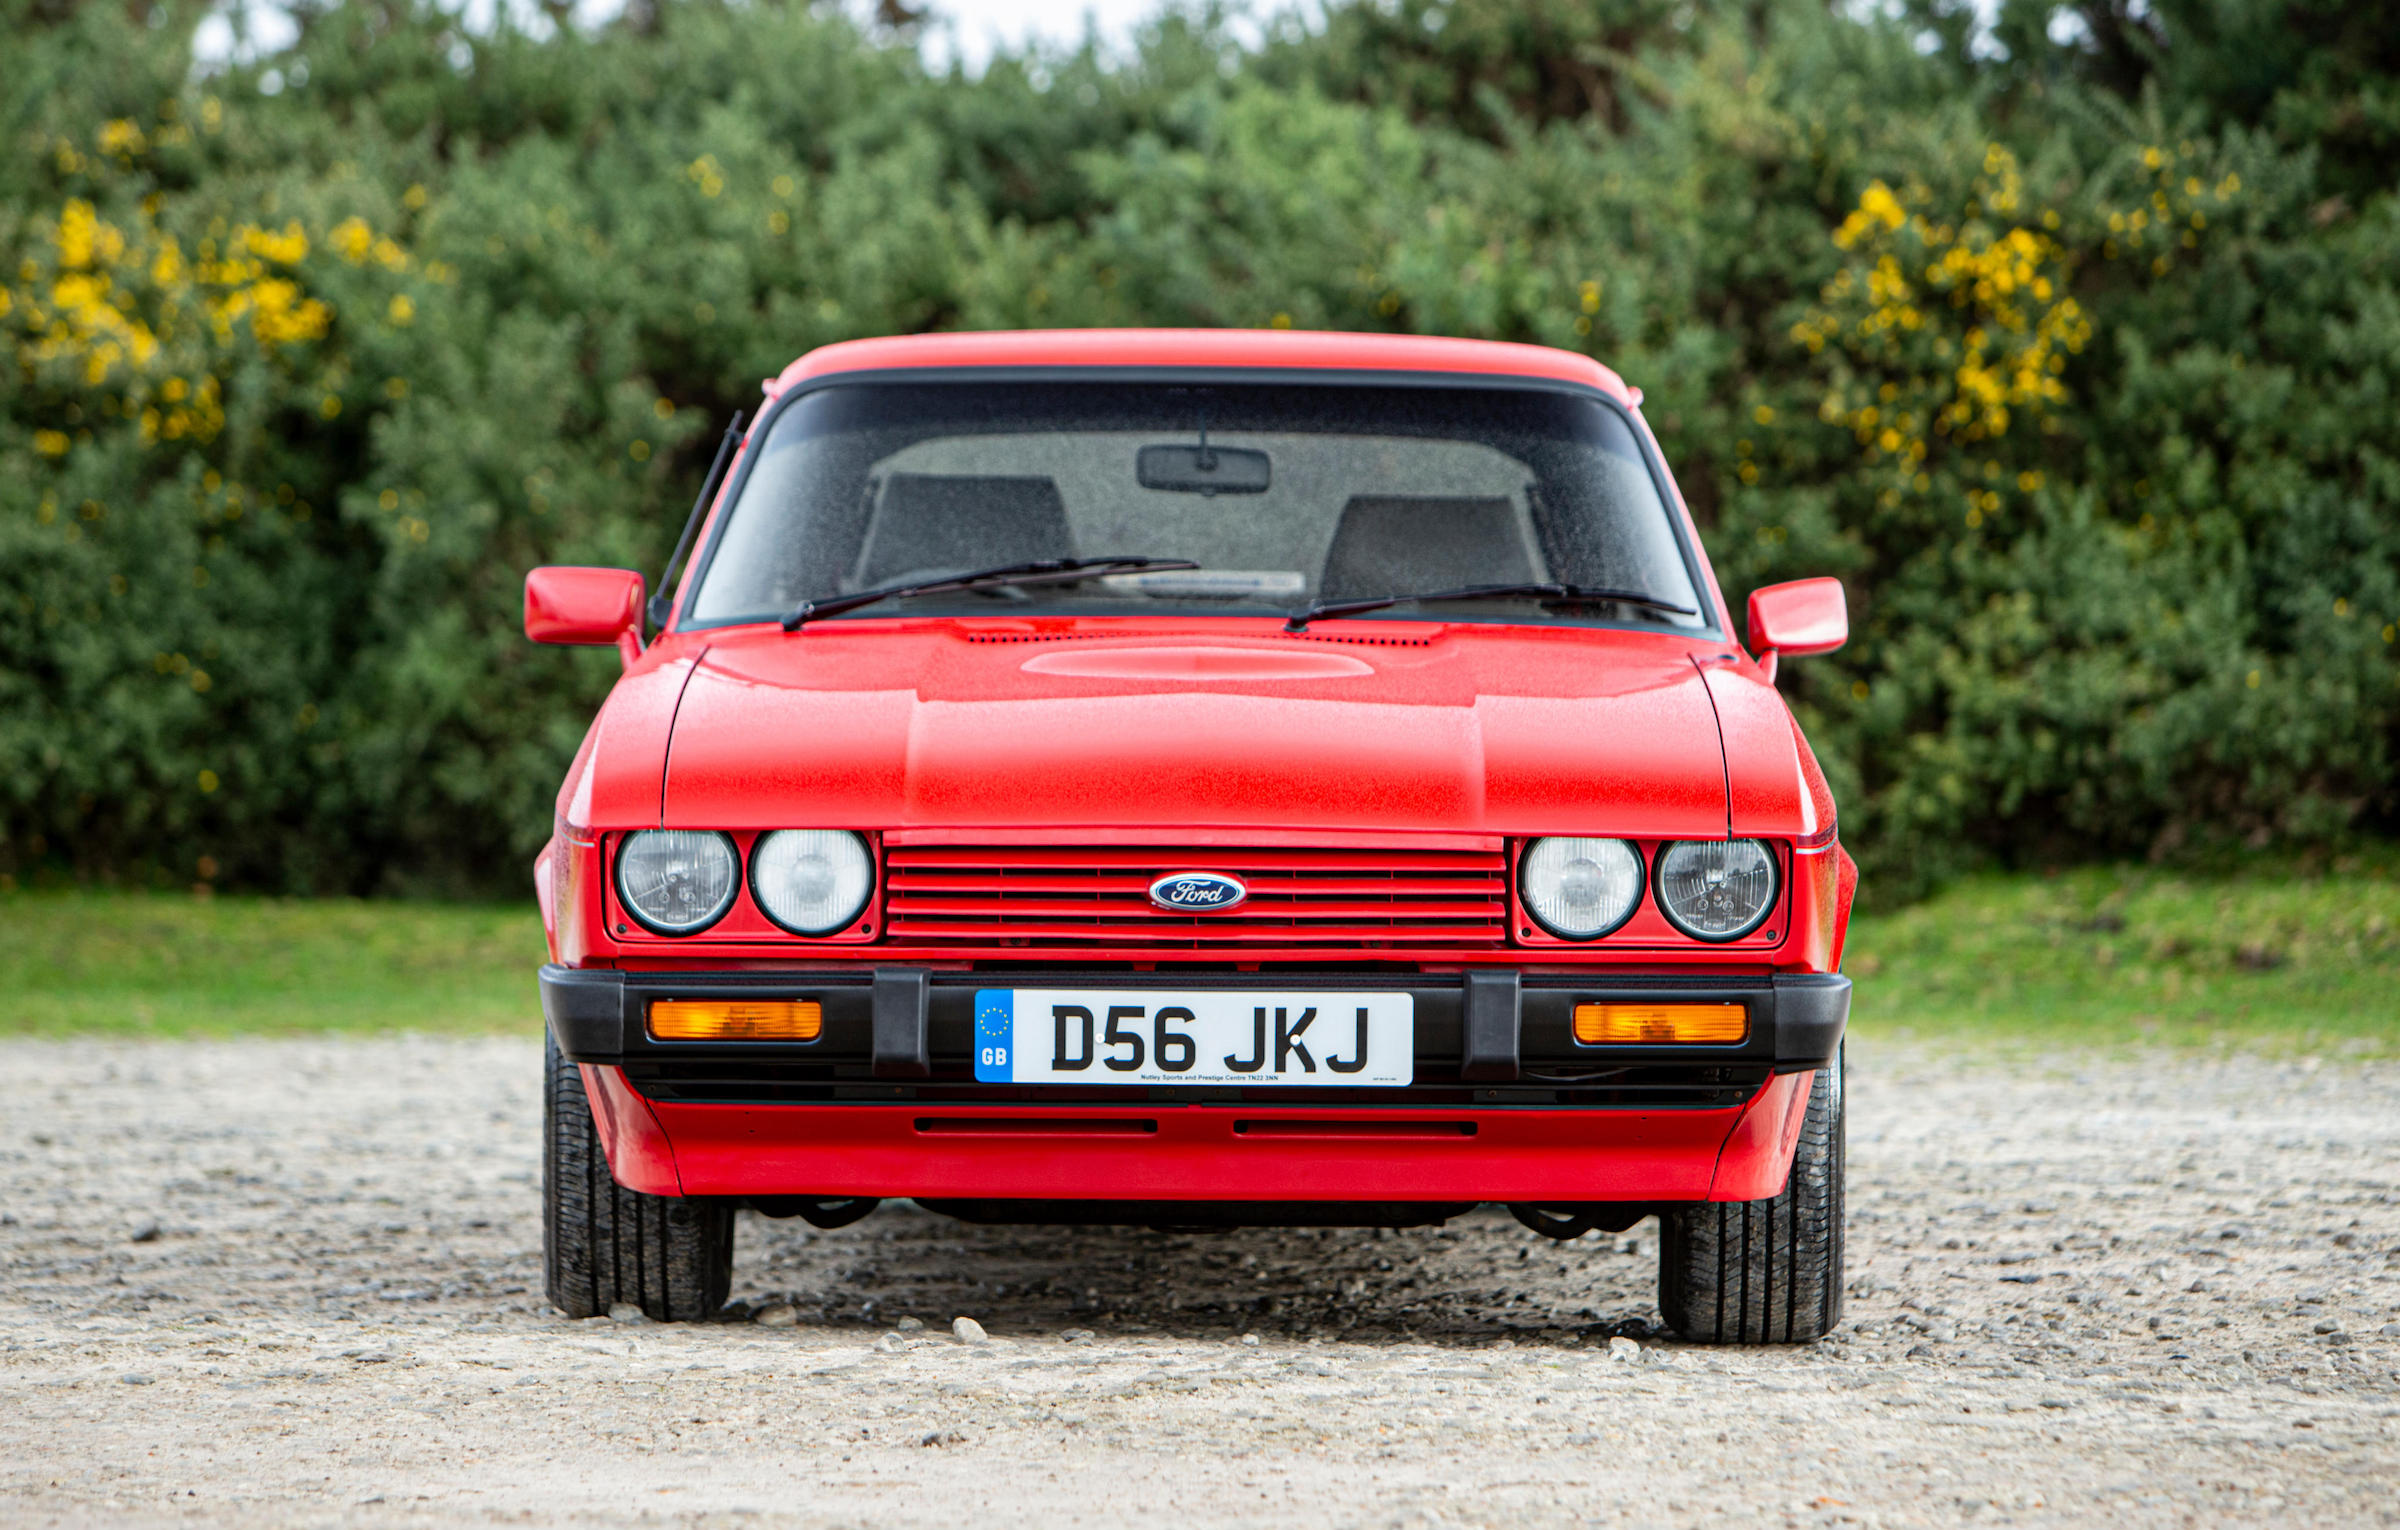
(898, 1000)
(906, 1023)
(1491, 1024)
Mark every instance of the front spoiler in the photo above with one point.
(1159, 1152)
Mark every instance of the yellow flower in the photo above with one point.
(287, 248)
(402, 310)
(352, 238)
(50, 443)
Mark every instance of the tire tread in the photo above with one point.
(1766, 1271)
(603, 1244)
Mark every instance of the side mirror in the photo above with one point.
(1803, 617)
(585, 605)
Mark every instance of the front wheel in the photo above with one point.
(1765, 1272)
(603, 1244)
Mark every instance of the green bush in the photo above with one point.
(2076, 360)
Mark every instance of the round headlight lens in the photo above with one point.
(811, 881)
(1716, 889)
(677, 881)
(1580, 889)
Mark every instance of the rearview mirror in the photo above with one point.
(585, 605)
(1803, 617)
(1202, 469)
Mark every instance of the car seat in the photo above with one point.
(927, 525)
(1389, 544)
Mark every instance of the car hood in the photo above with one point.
(1483, 729)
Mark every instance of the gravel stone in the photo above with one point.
(779, 1315)
(309, 1360)
(970, 1331)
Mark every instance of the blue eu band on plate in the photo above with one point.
(1092, 1036)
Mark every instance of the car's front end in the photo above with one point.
(1153, 896)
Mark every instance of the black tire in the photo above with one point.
(1765, 1272)
(603, 1244)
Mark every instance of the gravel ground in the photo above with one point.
(297, 1283)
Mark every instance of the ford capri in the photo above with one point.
(1195, 780)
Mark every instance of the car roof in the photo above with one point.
(1262, 349)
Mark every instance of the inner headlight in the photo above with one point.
(1580, 889)
(1716, 889)
(811, 881)
(677, 881)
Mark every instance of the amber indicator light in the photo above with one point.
(1659, 1024)
(736, 1019)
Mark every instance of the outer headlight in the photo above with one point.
(1580, 889)
(677, 881)
(1716, 889)
(811, 881)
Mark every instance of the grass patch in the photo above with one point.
(2109, 955)
(169, 964)
(2275, 955)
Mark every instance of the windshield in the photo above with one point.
(1281, 495)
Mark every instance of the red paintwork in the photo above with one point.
(640, 1156)
(1192, 732)
(1487, 728)
(1757, 1156)
(1803, 617)
(1195, 1154)
(581, 605)
(1246, 348)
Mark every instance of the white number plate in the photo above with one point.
(1087, 1036)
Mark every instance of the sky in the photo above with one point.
(968, 30)
(981, 25)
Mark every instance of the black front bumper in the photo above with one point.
(1487, 1037)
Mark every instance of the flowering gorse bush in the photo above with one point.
(2081, 380)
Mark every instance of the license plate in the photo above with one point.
(1090, 1036)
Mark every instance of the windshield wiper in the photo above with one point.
(1041, 571)
(1577, 593)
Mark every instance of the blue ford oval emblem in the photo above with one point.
(1198, 892)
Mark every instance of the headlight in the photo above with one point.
(1580, 889)
(811, 881)
(1716, 889)
(677, 881)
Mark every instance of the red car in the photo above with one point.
(1196, 779)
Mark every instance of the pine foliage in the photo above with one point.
(2076, 359)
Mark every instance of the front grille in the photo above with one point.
(1037, 896)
